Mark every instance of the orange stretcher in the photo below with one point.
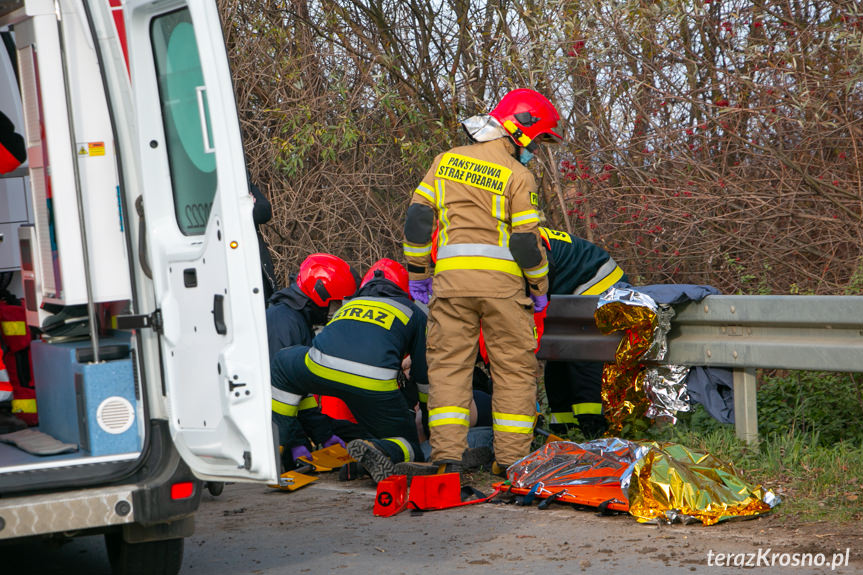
(600, 496)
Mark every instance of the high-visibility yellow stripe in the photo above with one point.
(24, 405)
(562, 417)
(416, 251)
(449, 421)
(308, 403)
(423, 397)
(351, 379)
(425, 191)
(586, 409)
(448, 409)
(406, 450)
(13, 328)
(522, 218)
(512, 422)
(605, 282)
(285, 409)
(477, 263)
(511, 428)
(449, 415)
(537, 273)
(443, 236)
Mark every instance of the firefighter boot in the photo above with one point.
(376, 462)
(414, 468)
(8, 422)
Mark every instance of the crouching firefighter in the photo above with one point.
(293, 313)
(357, 357)
(574, 389)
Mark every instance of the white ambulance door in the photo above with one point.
(201, 241)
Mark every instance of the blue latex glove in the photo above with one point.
(421, 290)
(300, 451)
(335, 439)
(540, 302)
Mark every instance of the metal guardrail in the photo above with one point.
(810, 333)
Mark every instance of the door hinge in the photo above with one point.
(153, 320)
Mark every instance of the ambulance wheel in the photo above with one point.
(163, 557)
(215, 488)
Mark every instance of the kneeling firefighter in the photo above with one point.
(323, 280)
(357, 357)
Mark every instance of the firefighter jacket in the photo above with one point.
(577, 266)
(290, 317)
(364, 344)
(485, 203)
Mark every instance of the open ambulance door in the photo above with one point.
(201, 241)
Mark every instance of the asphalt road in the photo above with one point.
(328, 527)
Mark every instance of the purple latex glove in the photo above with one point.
(540, 302)
(300, 451)
(421, 290)
(335, 439)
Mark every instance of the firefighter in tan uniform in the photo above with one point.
(489, 259)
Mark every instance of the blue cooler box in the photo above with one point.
(92, 405)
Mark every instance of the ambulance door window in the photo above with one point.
(186, 118)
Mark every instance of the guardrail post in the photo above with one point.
(745, 405)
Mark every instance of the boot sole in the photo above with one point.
(375, 462)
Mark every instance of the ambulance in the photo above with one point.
(127, 234)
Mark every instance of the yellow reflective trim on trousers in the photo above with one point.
(308, 403)
(449, 421)
(449, 415)
(425, 191)
(423, 397)
(24, 406)
(417, 251)
(511, 428)
(13, 328)
(285, 409)
(477, 263)
(405, 450)
(587, 409)
(351, 379)
(512, 422)
(605, 283)
(562, 417)
(537, 273)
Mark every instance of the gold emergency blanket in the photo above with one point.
(672, 483)
(632, 393)
(624, 402)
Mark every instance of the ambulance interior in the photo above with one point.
(64, 250)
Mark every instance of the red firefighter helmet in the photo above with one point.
(325, 277)
(389, 269)
(526, 114)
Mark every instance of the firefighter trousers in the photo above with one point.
(384, 416)
(573, 390)
(452, 344)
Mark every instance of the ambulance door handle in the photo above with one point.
(142, 238)
(219, 314)
(202, 116)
